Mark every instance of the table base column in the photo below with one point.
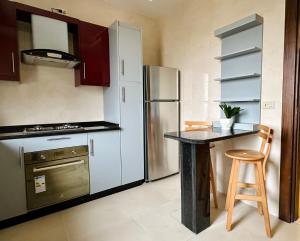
(195, 193)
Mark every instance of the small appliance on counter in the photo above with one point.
(162, 114)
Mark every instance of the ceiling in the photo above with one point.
(154, 8)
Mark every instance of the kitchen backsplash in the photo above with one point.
(47, 94)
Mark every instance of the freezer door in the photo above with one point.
(162, 154)
(161, 83)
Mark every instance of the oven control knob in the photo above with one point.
(42, 157)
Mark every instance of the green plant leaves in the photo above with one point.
(230, 111)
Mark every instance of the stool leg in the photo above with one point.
(258, 191)
(264, 199)
(213, 185)
(232, 194)
(229, 185)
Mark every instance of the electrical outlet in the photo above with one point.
(268, 105)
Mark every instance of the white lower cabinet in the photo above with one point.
(54, 142)
(12, 179)
(104, 165)
(132, 144)
(104, 160)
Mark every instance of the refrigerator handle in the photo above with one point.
(123, 95)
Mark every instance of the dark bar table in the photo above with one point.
(194, 160)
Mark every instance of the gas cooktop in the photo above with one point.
(54, 128)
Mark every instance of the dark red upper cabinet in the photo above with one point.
(9, 56)
(94, 54)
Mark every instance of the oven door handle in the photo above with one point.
(58, 166)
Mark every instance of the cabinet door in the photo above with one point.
(94, 54)
(104, 160)
(132, 146)
(54, 142)
(130, 54)
(9, 57)
(12, 179)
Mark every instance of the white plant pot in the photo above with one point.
(226, 124)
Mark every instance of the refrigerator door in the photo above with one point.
(162, 154)
(161, 83)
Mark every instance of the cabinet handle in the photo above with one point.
(21, 154)
(92, 153)
(59, 139)
(123, 67)
(40, 169)
(13, 61)
(123, 95)
(84, 75)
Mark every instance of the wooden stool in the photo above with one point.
(258, 159)
(203, 125)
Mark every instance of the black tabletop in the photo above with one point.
(207, 135)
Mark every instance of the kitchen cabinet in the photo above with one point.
(53, 142)
(12, 179)
(9, 59)
(132, 132)
(94, 54)
(104, 160)
(123, 101)
(130, 49)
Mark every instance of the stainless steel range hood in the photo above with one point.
(50, 58)
(50, 44)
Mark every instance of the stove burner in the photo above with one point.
(64, 127)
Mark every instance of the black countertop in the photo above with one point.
(207, 135)
(15, 132)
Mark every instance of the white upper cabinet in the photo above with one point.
(130, 53)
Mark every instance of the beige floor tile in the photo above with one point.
(150, 212)
(126, 231)
(248, 225)
(91, 218)
(47, 228)
(161, 225)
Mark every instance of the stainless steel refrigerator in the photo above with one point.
(162, 114)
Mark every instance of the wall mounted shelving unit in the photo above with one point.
(246, 76)
(241, 67)
(239, 53)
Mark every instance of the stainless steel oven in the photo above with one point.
(57, 175)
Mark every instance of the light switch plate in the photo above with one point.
(268, 105)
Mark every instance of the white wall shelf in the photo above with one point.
(239, 53)
(238, 100)
(239, 26)
(248, 76)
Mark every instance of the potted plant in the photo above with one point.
(230, 113)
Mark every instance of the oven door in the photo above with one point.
(52, 182)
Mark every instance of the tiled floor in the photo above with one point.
(150, 212)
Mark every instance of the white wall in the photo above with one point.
(188, 43)
(48, 95)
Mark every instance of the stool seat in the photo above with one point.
(245, 155)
